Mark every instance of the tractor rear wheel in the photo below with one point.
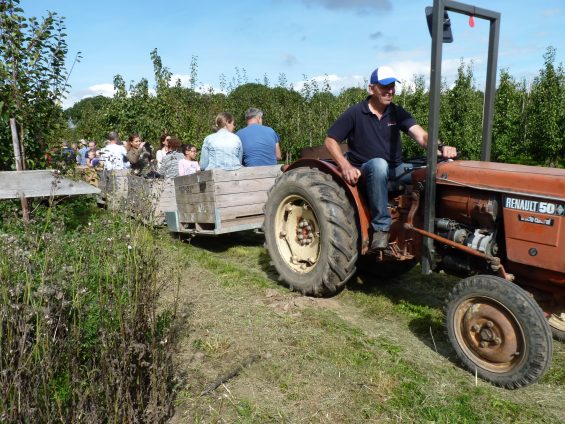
(498, 331)
(311, 232)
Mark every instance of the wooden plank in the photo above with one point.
(249, 173)
(234, 212)
(208, 214)
(203, 207)
(196, 198)
(191, 187)
(226, 200)
(228, 187)
(241, 224)
(216, 175)
(241, 199)
(188, 217)
(225, 182)
(42, 183)
(223, 190)
(196, 178)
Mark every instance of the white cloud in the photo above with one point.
(335, 82)
(552, 12)
(361, 6)
(208, 89)
(408, 69)
(103, 89)
(184, 80)
(203, 88)
(405, 69)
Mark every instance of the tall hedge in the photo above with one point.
(529, 121)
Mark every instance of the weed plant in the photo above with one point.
(81, 335)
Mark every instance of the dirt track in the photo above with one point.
(352, 358)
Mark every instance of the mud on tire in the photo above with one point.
(311, 232)
(499, 331)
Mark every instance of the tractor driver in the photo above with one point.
(372, 129)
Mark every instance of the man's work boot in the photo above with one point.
(380, 240)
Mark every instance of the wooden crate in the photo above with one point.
(219, 201)
(114, 189)
(150, 198)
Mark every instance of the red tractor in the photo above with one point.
(497, 226)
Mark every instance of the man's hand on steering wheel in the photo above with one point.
(447, 152)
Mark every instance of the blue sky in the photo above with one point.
(341, 39)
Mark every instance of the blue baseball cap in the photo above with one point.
(383, 75)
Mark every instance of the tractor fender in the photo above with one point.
(351, 191)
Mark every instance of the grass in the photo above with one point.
(375, 353)
(81, 335)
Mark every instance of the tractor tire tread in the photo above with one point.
(332, 203)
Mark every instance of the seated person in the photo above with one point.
(114, 155)
(188, 165)
(260, 143)
(92, 161)
(162, 149)
(82, 153)
(372, 129)
(222, 149)
(170, 163)
(139, 154)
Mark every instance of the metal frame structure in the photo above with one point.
(440, 6)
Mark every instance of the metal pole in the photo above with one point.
(433, 133)
(490, 89)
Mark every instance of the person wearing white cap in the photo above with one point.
(372, 130)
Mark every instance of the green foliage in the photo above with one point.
(84, 118)
(415, 100)
(461, 115)
(509, 121)
(546, 114)
(528, 123)
(33, 80)
(301, 118)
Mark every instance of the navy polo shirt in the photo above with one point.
(368, 136)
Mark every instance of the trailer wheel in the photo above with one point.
(498, 331)
(557, 324)
(311, 232)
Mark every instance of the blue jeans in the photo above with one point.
(375, 175)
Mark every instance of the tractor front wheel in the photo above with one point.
(557, 324)
(498, 331)
(311, 232)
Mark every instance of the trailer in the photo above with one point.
(209, 202)
(219, 201)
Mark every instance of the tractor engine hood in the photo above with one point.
(547, 183)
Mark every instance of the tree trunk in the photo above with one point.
(19, 165)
